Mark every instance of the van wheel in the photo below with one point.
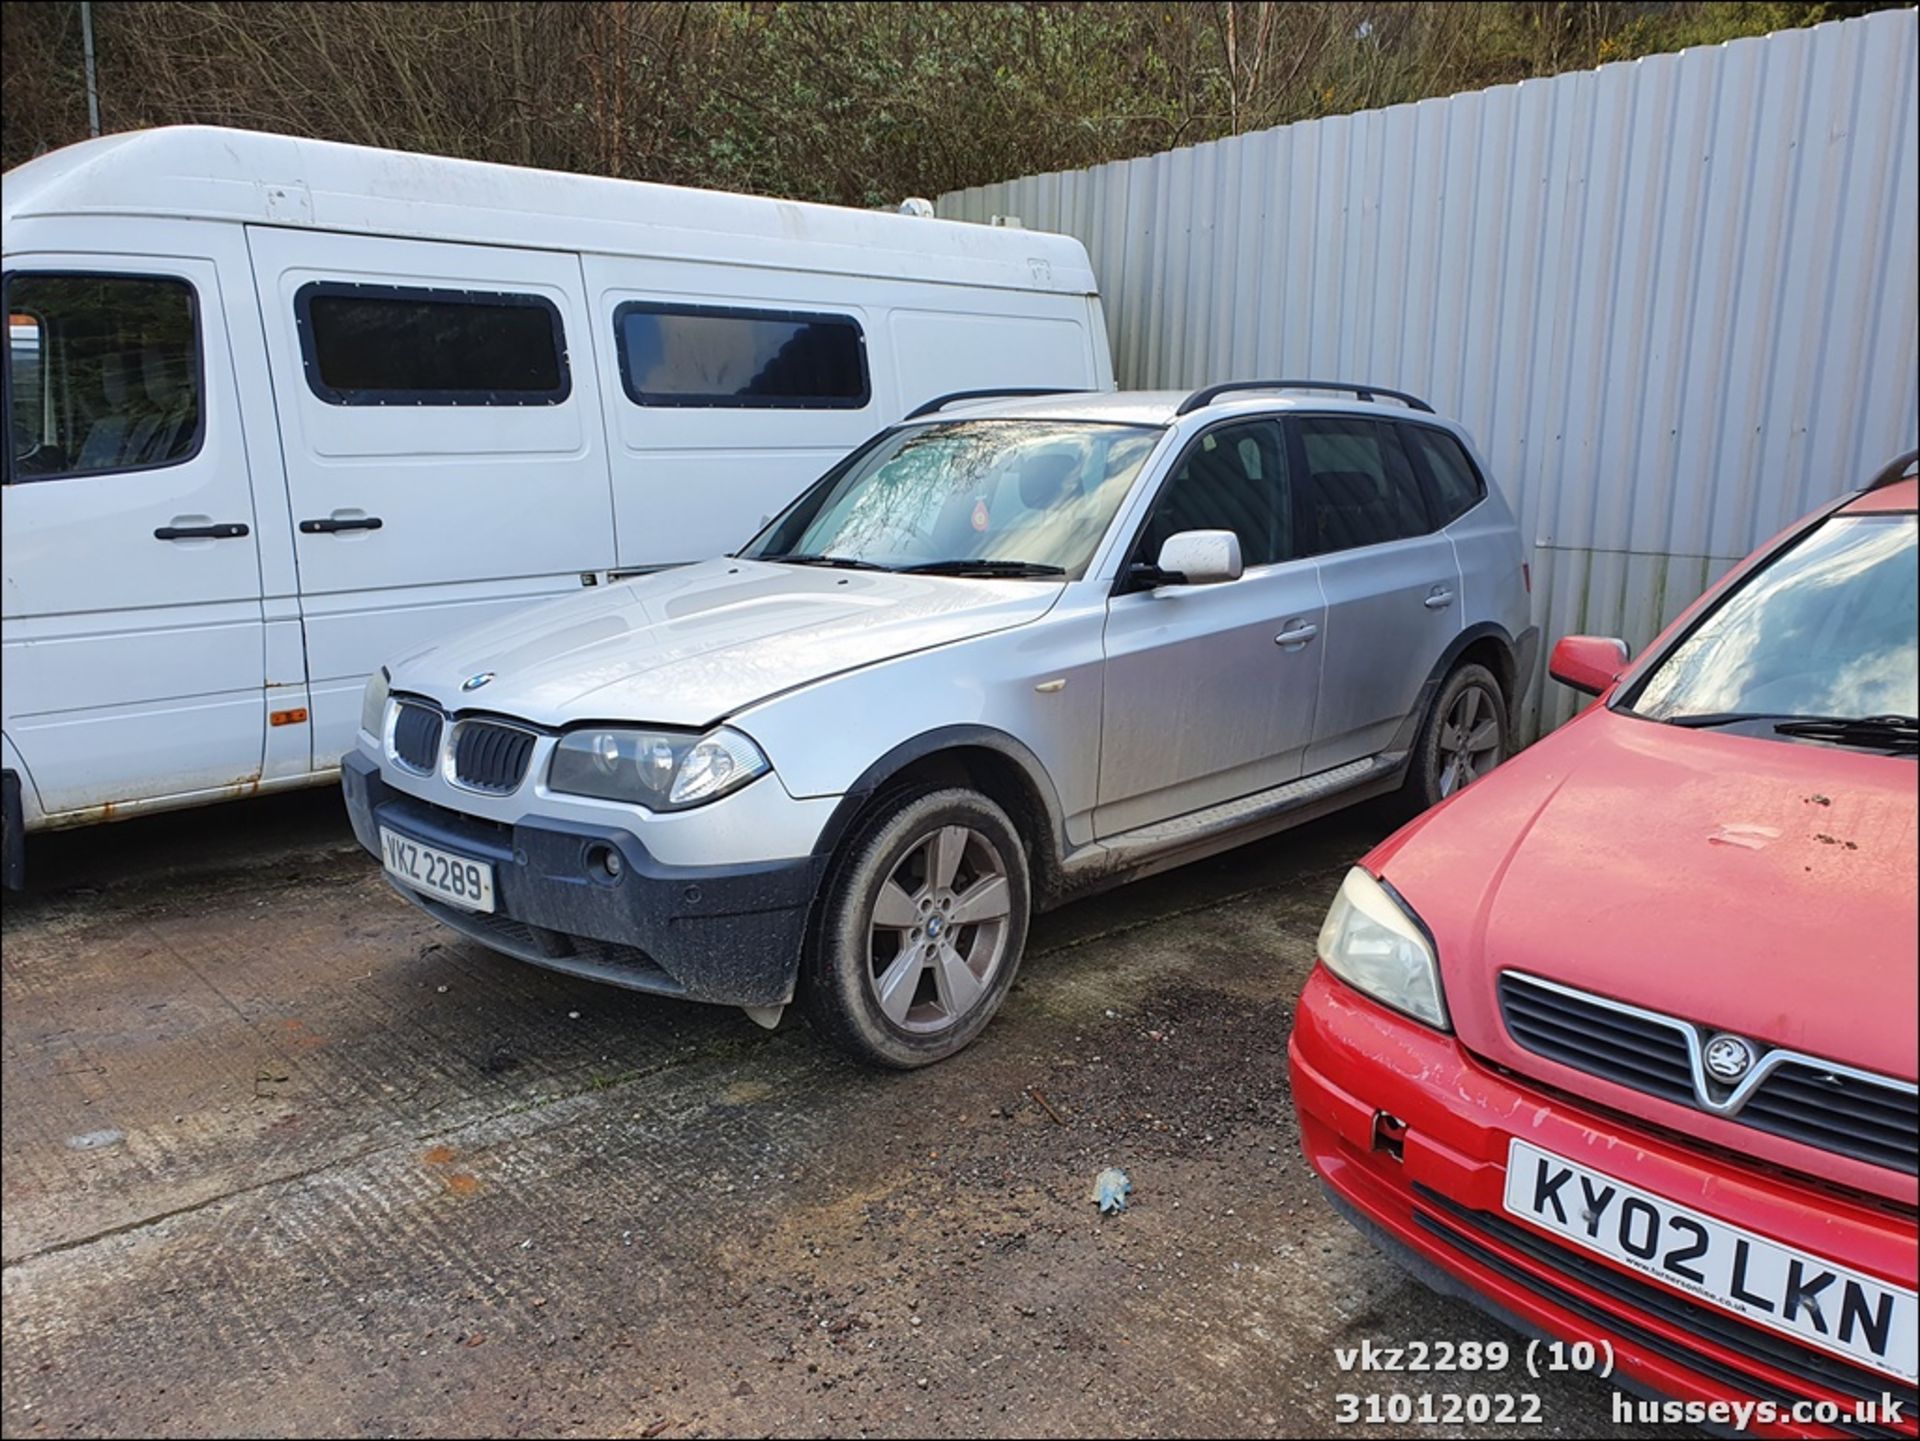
(924, 922)
(1466, 735)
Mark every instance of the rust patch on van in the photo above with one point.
(120, 810)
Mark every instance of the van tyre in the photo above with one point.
(1467, 734)
(922, 929)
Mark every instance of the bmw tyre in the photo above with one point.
(1467, 734)
(922, 929)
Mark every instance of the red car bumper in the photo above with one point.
(1433, 1183)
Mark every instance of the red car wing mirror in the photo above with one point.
(1588, 663)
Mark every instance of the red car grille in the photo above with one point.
(1838, 1113)
(1646, 1055)
(1849, 1114)
(1466, 1231)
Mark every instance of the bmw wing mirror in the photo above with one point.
(1199, 557)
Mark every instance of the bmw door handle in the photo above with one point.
(224, 530)
(1296, 635)
(1439, 598)
(327, 525)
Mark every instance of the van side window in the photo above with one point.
(103, 374)
(1359, 487)
(406, 345)
(701, 355)
(1234, 478)
(1455, 486)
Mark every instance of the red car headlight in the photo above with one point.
(1374, 942)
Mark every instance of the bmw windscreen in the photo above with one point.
(971, 497)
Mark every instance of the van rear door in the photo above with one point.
(440, 417)
(133, 635)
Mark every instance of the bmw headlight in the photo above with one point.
(661, 770)
(1372, 941)
(373, 705)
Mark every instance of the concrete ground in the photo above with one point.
(283, 1156)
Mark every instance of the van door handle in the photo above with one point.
(1439, 598)
(328, 525)
(228, 530)
(1296, 636)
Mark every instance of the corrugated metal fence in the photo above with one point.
(1674, 300)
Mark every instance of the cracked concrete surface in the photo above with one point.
(282, 1156)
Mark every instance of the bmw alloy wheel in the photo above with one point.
(1470, 741)
(939, 929)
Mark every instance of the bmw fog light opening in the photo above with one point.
(373, 704)
(1373, 943)
(660, 770)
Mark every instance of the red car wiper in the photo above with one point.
(1706, 720)
(1883, 732)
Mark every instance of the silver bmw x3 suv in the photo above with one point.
(1009, 651)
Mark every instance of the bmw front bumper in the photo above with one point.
(727, 934)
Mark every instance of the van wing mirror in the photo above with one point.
(1588, 663)
(1199, 557)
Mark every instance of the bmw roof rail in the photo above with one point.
(1897, 469)
(1208, 394)
(941, 402)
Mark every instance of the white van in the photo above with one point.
(279, 409)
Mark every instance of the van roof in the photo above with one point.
(210, 173)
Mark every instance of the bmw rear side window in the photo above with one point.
(1454, 487)
(1356, 485)
(724, 356)
(407, 345)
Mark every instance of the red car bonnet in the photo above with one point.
(1752, 885)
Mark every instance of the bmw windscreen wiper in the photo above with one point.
(836, 562)
(1014, 568)
(1880, 732)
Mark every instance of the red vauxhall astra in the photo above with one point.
(1620, 1042)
